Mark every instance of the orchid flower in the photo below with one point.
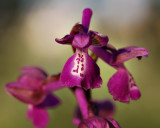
(121, 85)
(32, 88)
(80, 69)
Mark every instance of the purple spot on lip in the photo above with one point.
(81, 75)
(78, 59)
(82, 59)
(75, 70)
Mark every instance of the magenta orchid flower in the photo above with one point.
(121, 85)
(80, 69)
(32, 88)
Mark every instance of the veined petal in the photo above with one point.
(39, 116)
(127, 53)
(65, 40)
(81, 70)
(98, 39)
(27, 81)
(35, 72)
(29, 96)
(78, 28)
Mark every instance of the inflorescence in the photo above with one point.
(80, 74)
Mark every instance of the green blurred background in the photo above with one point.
(27, 32)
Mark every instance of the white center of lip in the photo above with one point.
(79, 64)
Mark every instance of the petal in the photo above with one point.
(111, 48)
(81, 41)
(78, 28)
(25, 95)
(98, 39)
(65, 40)
(119, 86)
(39, 116)
(81, 70)
(50, 101)
(35, 72)
(127, 53)
(27, 81)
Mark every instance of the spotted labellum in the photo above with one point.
(80, 69)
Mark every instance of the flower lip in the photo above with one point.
(81, 70)
(122, 86)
